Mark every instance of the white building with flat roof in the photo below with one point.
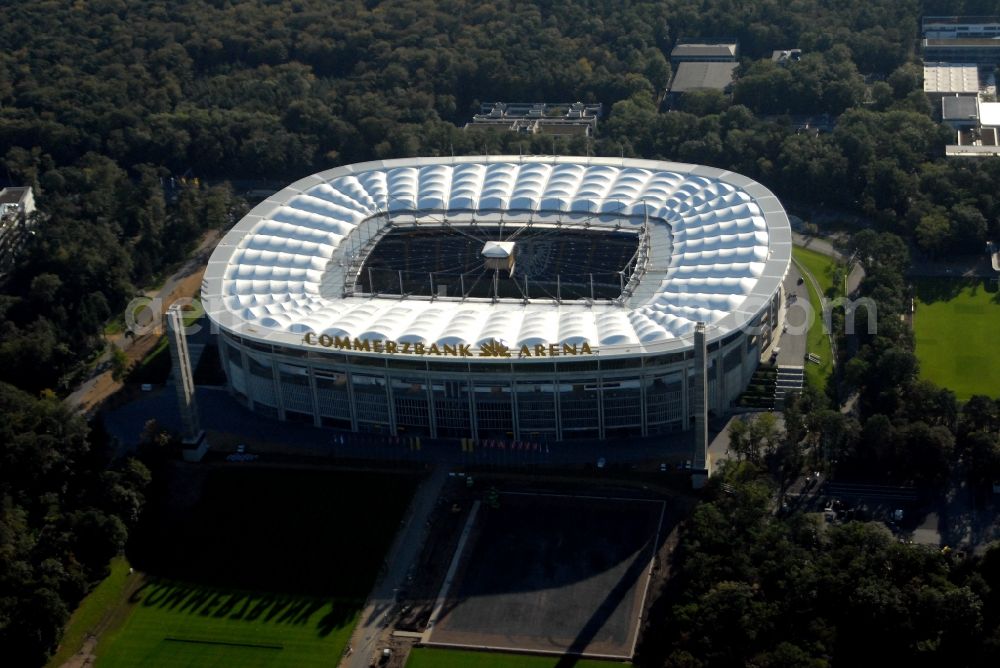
(951, 79)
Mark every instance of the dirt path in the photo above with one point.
(112, 617)
(185, 282)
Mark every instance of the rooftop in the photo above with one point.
(951, 78)
(13, 195)
(702, 76)
(717, 247)
(703, 50)
(786, 55)
(964, 43)
(959, 20)
(989, 114)
(959, 108)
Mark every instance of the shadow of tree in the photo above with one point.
(930, 290)
(241, 605)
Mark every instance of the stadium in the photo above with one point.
(500, 297)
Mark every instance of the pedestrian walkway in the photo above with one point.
(399, 562)
(790, 379)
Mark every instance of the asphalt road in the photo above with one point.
(794, 340)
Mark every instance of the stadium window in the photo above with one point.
(362, 360)
(573, 367)
(257, 345)
(664, 360)
(535, 367)
(418, 365)
(623, 363)
(489, 367)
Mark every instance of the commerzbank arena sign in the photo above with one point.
(492, 348)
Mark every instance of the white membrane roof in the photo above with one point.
(719, 245)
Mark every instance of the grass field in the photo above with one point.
(269, 568)
(92, 612)
(181, 625)
(822, 269)
(427, 657)
(956, 324)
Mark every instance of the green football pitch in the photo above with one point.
(956, 325)
(173, 624)
(269, 568)
(427, 657)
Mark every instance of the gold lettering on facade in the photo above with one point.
(492, 348)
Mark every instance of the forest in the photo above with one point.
(105, 105)
(139, 123)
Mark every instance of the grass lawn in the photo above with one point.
(822, 268)
(428, 657)
(92, 612)
(114, 326)
(956, 324)
(268, 568)
(173, 624)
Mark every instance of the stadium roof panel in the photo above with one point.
(717, 246)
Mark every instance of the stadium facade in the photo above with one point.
(500, 297)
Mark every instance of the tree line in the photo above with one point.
(751, 586)
(104, 105)
(66, 507)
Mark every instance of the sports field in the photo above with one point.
(553, 573)
(956, 325)
(428, 657)
(175, 624)
(269, 568)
